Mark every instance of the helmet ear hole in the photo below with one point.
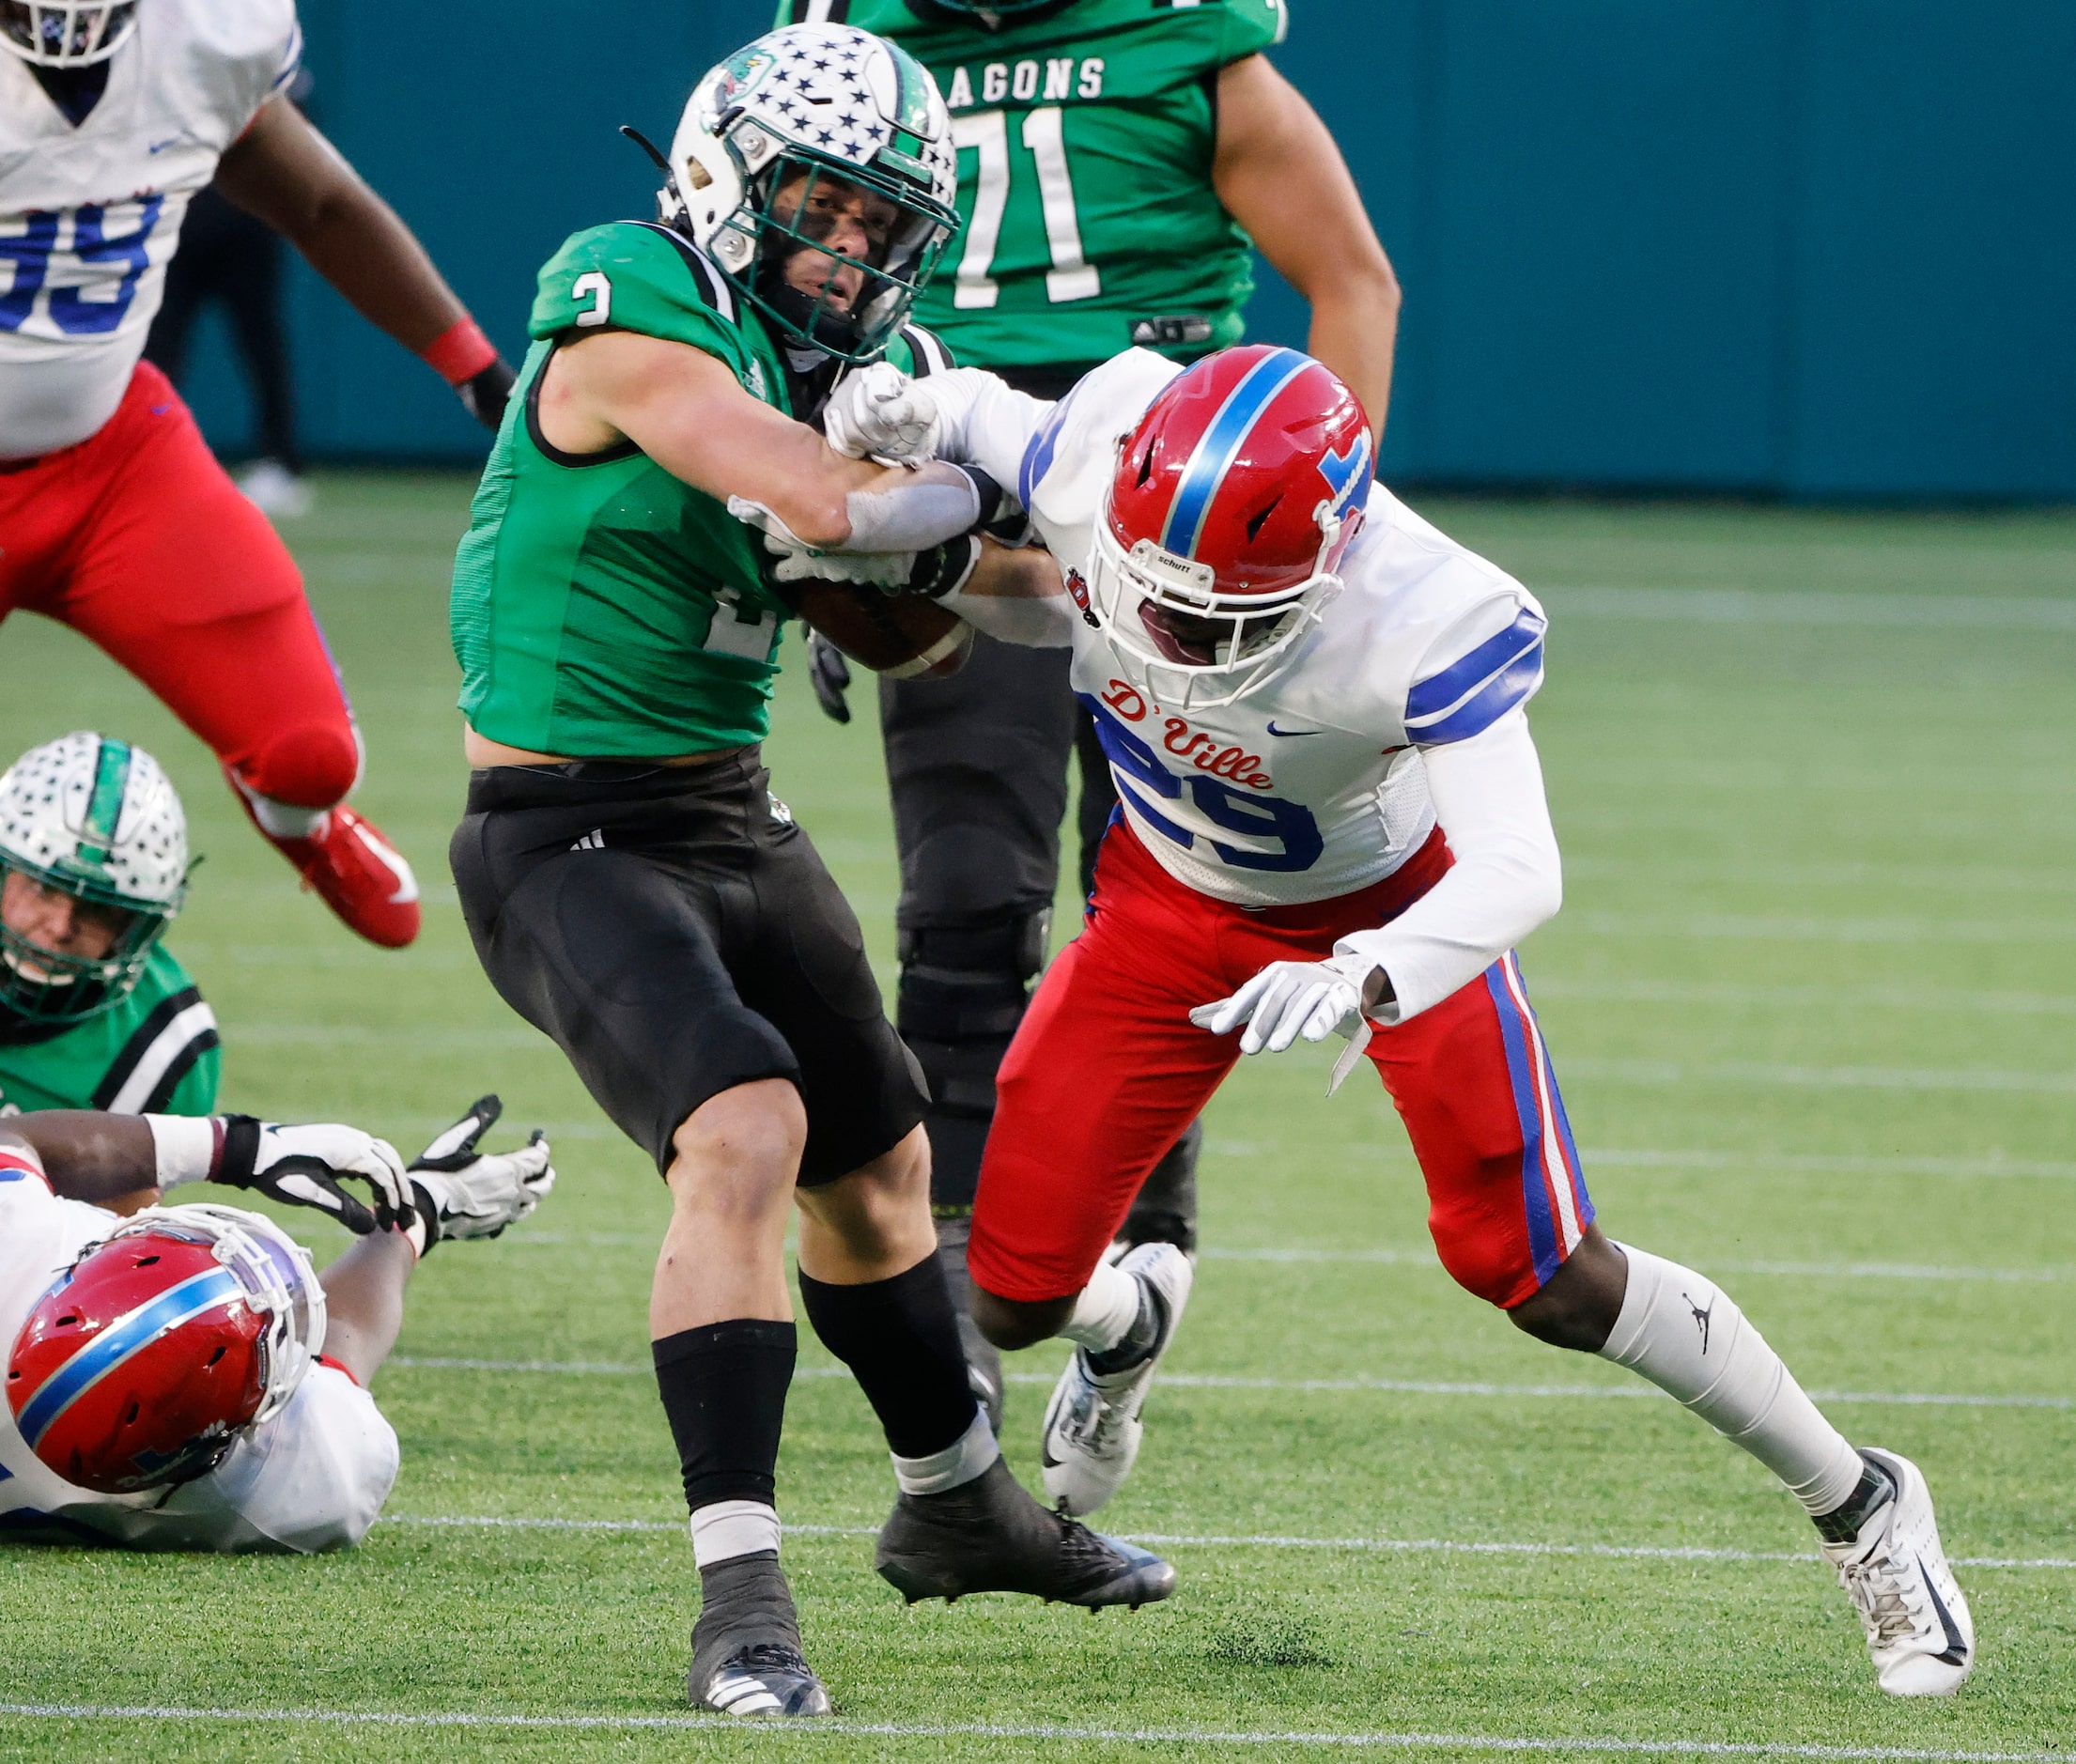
(1146, 461)
(1261, 519)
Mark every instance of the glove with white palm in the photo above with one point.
(304, 1166)
(1314, 999)
(879, 413)
(462, 1192)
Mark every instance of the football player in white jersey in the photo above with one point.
(177, 1376)
(1331, 819)
(118, 521)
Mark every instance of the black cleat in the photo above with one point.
(745, 1646)
(990, 1536)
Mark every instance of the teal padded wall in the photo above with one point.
(1817, 248)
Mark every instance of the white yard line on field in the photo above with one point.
(839, 1727)
(1167, 1541)
(1220, 1381)
(1746, 606)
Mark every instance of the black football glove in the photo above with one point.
(485, 395)
(303, 1167)
(829, 674)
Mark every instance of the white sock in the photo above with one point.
(1684, 1334)
(726, 1529)
(966, 1458)
(1107, 1309)
(284, 820)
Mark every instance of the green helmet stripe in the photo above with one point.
(912, 88)
(97, 838)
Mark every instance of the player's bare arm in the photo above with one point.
(1279, 174)
(686, 410)
(285, 172)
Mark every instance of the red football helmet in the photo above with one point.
(1232, 504)
(147, 1355)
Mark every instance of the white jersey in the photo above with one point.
(1311, 786)
(91, 215)
(311, 1477)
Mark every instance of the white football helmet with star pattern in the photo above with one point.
(828, 101)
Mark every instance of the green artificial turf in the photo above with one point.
(1813, 1001)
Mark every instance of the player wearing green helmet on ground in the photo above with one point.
(631, 887)
(1117, 159)
(95, 1013)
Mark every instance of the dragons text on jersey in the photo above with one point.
(1086, 135)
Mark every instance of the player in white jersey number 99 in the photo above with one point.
(119, 521)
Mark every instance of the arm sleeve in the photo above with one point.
(987, 423)
(1047, 624)
(1507, 879)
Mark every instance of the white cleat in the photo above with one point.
(1091, 1432)
(1919, 1631)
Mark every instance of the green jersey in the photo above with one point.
(601, 607)
(1086, 134)
(155, 1053)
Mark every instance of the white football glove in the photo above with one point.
(801, 562)
(467, 1193)
(303, 1167)
(879, 413)
(1287, 1000)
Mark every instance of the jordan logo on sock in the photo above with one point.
(1700, 1320)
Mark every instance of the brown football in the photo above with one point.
(903, 636)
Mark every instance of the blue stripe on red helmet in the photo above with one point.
(130, 1335)
(1220, 443)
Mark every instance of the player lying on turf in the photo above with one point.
(1332, 814)
(632, 889)
(118, 521)
(95, 1012)
(181, 1379)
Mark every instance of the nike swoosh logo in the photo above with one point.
(160, 146)
(1957, 1648)
(1275, 730)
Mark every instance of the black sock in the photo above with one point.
(1842, 1524)
(1139, 1339)
(723, 1386)
(902, 1344)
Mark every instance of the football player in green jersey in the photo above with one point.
(95, 1012)
(630, 885)
(1116, 157)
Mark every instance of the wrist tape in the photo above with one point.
(460, 352)
(186, 1148)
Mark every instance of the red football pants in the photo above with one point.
(1107, 1070)
(138, 540)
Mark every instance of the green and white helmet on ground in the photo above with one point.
(825, 102)
(99, 820)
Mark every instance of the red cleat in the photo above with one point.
(357, 873)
